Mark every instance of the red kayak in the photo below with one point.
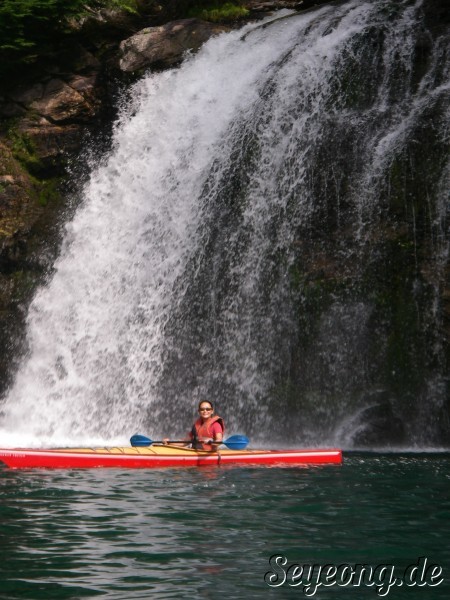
(157, 456)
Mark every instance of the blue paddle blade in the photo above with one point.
(237, 442)
(140, 441)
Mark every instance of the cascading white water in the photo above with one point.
(174, 269)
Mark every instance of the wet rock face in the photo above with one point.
(43, 122)
(53, 115)
(14, 184)
(165, 45)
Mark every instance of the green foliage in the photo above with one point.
(48, 193)
(24, 150)
(32, 28)
(28, 28)
(218, 12)
(131, 6)
(22, 21)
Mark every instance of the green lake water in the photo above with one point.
(210, 533)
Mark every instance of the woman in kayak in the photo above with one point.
(207, 431)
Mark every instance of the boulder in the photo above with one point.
(61, 102)
(164, 45)
(271, 5)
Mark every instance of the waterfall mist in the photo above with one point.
(268, 232)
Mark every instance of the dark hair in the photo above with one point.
(208, 401)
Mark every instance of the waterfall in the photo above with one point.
(235, 242)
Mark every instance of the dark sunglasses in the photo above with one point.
(202, 409)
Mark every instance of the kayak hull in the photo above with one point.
(159, 457)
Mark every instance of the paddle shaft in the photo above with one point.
(187, 442)
(235, 442)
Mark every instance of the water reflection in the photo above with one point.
(196, 531)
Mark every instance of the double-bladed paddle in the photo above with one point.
(234, 442)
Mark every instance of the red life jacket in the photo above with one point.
(202, 430)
